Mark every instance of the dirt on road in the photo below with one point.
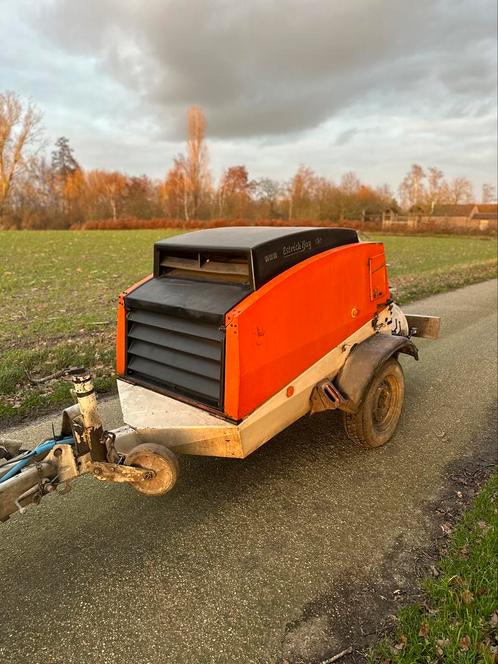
(291, 555)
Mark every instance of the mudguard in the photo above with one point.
(364, 360)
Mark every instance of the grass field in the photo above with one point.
(458, 621)
(59, 292)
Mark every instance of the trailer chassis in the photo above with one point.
(142, 453)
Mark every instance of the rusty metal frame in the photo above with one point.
(113, 472)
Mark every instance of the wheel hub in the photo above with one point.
(383, 404)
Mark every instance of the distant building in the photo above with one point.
(468, 212)
(467, 218)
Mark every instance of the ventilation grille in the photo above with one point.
(182, 356)
(212, 266)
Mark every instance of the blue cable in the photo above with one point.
(42, 448)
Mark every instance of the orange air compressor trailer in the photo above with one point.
(236, 334)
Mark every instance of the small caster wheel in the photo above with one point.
(161, 461)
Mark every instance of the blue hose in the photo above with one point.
(42, 448)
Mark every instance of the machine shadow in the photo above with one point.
(119, 530)
(113, 518)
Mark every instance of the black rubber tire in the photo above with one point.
(376, 420)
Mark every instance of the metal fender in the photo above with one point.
(364, 360)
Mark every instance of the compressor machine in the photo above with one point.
(236, 334)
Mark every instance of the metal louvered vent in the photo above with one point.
(179, 355)
(214, 266)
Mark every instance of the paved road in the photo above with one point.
(258, 560)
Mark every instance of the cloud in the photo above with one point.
(345, 136)
(364, 85)
(275, 67)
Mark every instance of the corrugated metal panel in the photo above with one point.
(180, 355)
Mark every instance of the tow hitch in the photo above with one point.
(83, 447)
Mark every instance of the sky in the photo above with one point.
(365, 85)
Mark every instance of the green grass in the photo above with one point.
(59, 292)
(458, 622)
(57, 301)
(423, 266)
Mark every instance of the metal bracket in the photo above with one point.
(113, 472)
(63, 457)
(326, 396)
(426, 327)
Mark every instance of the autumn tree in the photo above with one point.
(141, 198)
(235, 193)
(106, 190)
(195, 166)
(174, 191)
(36, 192)
(300, 193)
(367, 202)
(31, 200)
(386, 198)
(67, 181)
(73, 192)
(20, 138)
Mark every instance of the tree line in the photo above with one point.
(40, 191)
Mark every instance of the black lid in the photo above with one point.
(269, 249)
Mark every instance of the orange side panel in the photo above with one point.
(121, 327)
(283, 328)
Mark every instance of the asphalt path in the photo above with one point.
(260, 560)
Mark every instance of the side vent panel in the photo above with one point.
(211, 266)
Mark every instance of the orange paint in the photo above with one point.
(304, 313)
(121, 327)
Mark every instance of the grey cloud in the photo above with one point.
(273, 67)
(345, 136)
(370, 86)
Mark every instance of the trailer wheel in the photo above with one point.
(162, 461)
(376, 420)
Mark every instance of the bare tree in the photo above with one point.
(412, 190)
(350, 184)
(268, 193)
(20, 135)
(436, 187)
(488, 193)
(460, 191)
